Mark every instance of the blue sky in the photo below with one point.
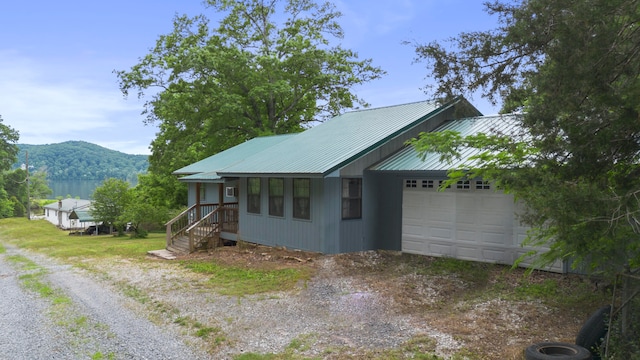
(57, 59)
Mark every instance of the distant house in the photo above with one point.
(60, 213)
(352, 184)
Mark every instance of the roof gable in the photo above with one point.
(332, 144)
(408, 159)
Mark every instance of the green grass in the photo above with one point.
(42, 236)
(236, 281)
(469, 271)
(419, 347)
(33, 280)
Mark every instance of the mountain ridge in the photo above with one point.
(81, 160)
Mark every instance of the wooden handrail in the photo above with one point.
(185, 222)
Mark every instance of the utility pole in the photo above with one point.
(28, 190)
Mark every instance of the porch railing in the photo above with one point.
(201, 223)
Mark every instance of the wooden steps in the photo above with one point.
(180, 245)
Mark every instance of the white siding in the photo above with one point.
(468, 224)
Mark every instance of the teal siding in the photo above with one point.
(382, 207)
(282, 231)
(332, 215)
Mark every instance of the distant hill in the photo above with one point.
(80, 160)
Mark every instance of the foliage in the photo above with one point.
(15, 185)
(8, 149)
(110, 200)
(162, 190)
(573, 69)
(8, 152)
(80, 160)
(268, 67)
(143, 216)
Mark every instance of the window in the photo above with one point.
(463, 184)
(301, 199)
(253, 195)
(351, 198)
(410, 183)
(203, 192)
(482, 185)
(276, 196)
(427, 184)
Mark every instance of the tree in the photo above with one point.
(572, 68)
(267, 68)
(15, 185)
(38, 185)
(8, 153)
(144, 217)
(110, 201)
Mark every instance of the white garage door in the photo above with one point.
(470, 221)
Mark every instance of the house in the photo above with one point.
(304, 191)
(60, 213)
(351, 184)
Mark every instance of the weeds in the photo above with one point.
(236, 281)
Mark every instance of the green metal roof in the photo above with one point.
(82, 215)
(407, 159)
(336, 142)
(68, 204)
(229, 157)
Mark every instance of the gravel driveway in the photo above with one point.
(329, 312)
(97, 322)
(353, 306)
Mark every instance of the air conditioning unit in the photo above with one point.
(231, 191)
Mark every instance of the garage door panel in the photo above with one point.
(495, 255)
(440, 233)
(468, 253)
(440, 249)
(413, 230)
(495, 238)
(415, 245)
(468, 236)
(464, 224)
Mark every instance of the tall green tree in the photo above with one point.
(110, 200)
(572, 67)
(267, 67)
(8, 152)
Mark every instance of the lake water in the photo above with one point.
(82, 189)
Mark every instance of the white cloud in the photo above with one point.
(50, 104)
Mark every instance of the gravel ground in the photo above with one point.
(349, 309)
(329, 313)
(97, 323)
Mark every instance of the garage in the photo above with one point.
(468, 221)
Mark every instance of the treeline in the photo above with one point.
(80, 160)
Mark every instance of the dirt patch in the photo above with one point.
(357, 304)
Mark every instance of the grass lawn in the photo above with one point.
(44, 237)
